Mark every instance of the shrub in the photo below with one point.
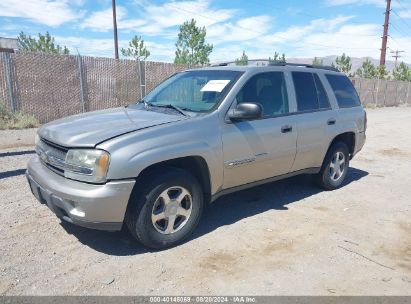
(16, 120)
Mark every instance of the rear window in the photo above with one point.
(344, 91)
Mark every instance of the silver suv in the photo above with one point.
(200, 134)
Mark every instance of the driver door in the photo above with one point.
(258, 149)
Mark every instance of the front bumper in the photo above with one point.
(93, 206)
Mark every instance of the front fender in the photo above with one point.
(132, 153)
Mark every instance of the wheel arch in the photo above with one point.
(196, 165)
(348, 138)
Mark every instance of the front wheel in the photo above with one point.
(335, 167)
(167, 211)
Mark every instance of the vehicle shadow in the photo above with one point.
(276, 195)
(226, 210)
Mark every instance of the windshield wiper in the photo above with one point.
(169, 106)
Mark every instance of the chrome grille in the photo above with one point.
(53, 156)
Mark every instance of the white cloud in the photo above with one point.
(48, 12)
(296, 33)
(245, 29)
(406, 14)
(105, 47)
(160, 18)
(321, 37)
(403, 8)
(231, 33)
(379, 3)
(102, 21)
(89, 46)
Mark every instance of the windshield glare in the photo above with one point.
(197, 91)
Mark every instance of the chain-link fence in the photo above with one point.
(52, 86)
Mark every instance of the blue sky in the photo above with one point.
(297, 28)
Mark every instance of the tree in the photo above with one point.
(343, 64)
(191, 46)
(277, 58)
(136, 49)
(367, 70)
(317, 61)
(402, 72)
(243, 60)
(382, 72)
(42, 44)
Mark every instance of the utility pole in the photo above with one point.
(396, 56)
(385, 34)
(113, 3)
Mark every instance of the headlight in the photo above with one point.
(87, 165)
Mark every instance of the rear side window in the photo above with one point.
(322, 95)
(344, 91)
(309, 91)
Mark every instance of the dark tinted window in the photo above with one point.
(306, 91)
(344, 91)
(267, 89)
(322, 95)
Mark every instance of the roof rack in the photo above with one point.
(282, 63)
(312, 66)
(225, 63)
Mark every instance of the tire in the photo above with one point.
(172, 196)
(330, 177)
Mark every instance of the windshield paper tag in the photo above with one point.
(215, 86)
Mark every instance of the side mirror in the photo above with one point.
(246, 111)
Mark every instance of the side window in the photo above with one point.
(310, 92)
(322, 95)
(306, 91)
(268, 89)
(344, 91)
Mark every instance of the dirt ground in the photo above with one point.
(283, 238)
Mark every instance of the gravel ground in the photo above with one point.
(17, 138)
(287, 237)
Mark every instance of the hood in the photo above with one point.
(90, 129)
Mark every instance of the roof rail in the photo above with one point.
(312, 66)
(225, 63)
(281, 63)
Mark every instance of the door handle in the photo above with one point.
(286, 129)
(331, 121)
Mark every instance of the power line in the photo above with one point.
(298, 12)
(406, 23)
(262, 33)
(395, 40)
(403, 7)
(399, 29)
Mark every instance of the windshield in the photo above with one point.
(197, 91)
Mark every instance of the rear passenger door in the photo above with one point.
(315, 120)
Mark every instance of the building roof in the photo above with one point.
(9, 44)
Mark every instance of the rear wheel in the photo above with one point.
(335, 167)
(167, 210)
